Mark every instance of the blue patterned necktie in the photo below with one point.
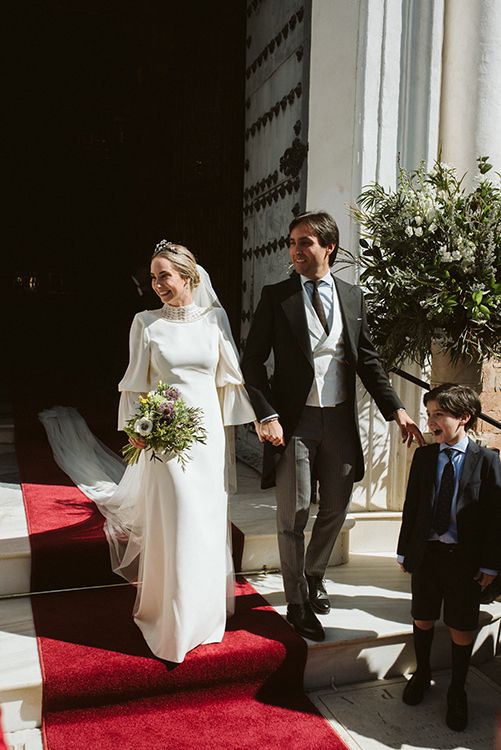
(444, 498)
(318, 306)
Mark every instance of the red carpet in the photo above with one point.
(3, 746)
(103, 689)
(68, 546)
(102, 686)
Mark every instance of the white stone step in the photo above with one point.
(375, 532)
(15, 551)
(369, 628)
(25, 739)
(20, 674)
(369, 636)
(253, 510)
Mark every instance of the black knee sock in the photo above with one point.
(422, 646)
(461, 656)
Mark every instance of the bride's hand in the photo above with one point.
(137, 442)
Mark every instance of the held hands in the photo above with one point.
(270, 431)
(408, 428)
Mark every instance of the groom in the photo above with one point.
(315, 326)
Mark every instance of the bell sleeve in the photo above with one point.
(137, 376)
(235, 405)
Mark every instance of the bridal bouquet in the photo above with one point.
(167, 425)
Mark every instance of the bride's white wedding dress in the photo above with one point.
(167, 527)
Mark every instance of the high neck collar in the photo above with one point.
(184, 314)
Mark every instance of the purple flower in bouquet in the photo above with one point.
(167, 411)
(171, 393)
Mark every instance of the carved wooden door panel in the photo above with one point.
(275, 140)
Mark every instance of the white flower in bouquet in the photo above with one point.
(143, 427)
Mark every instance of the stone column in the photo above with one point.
(471, 105)
(469, 126)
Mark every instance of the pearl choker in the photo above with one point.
(186, 314)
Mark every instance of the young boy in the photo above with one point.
(450, 538)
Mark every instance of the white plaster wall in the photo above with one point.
(421, 71)
(333, 75)
(374, 93)
(353, 118)
(471, 84)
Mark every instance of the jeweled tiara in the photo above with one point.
(164, 245)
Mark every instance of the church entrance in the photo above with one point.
(127, 126)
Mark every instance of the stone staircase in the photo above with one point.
(369, 631)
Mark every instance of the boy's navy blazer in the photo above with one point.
(280, 326)
(478, 507)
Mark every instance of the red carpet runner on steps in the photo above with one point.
(3, 746)
(68, 545)
(103, 689)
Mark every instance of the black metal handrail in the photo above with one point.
(427, 386)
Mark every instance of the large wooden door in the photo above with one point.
(126, 128)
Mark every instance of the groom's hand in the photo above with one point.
(271, 431)
(408, 428)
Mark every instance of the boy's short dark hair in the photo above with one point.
(457, 400)
(323, 225)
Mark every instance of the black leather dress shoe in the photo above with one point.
(303, 620)
(317, 595)
(457, 710)
(415, 689)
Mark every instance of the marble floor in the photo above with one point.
(369, 629)
(371, 715)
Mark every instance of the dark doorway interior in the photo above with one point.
(127, 127)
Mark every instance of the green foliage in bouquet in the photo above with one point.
(167, 425)
(431, 264)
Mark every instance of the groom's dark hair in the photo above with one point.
(323, 225)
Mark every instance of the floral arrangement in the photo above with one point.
(166, 423)
(431, 264)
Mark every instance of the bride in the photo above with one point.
(167, 527)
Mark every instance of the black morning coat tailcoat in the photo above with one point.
(478, 507)
(280, 326)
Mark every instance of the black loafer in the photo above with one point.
(303, 620)
(317, 595)
(457, 710)
(415, 689)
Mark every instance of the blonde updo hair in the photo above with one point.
(181, 258)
